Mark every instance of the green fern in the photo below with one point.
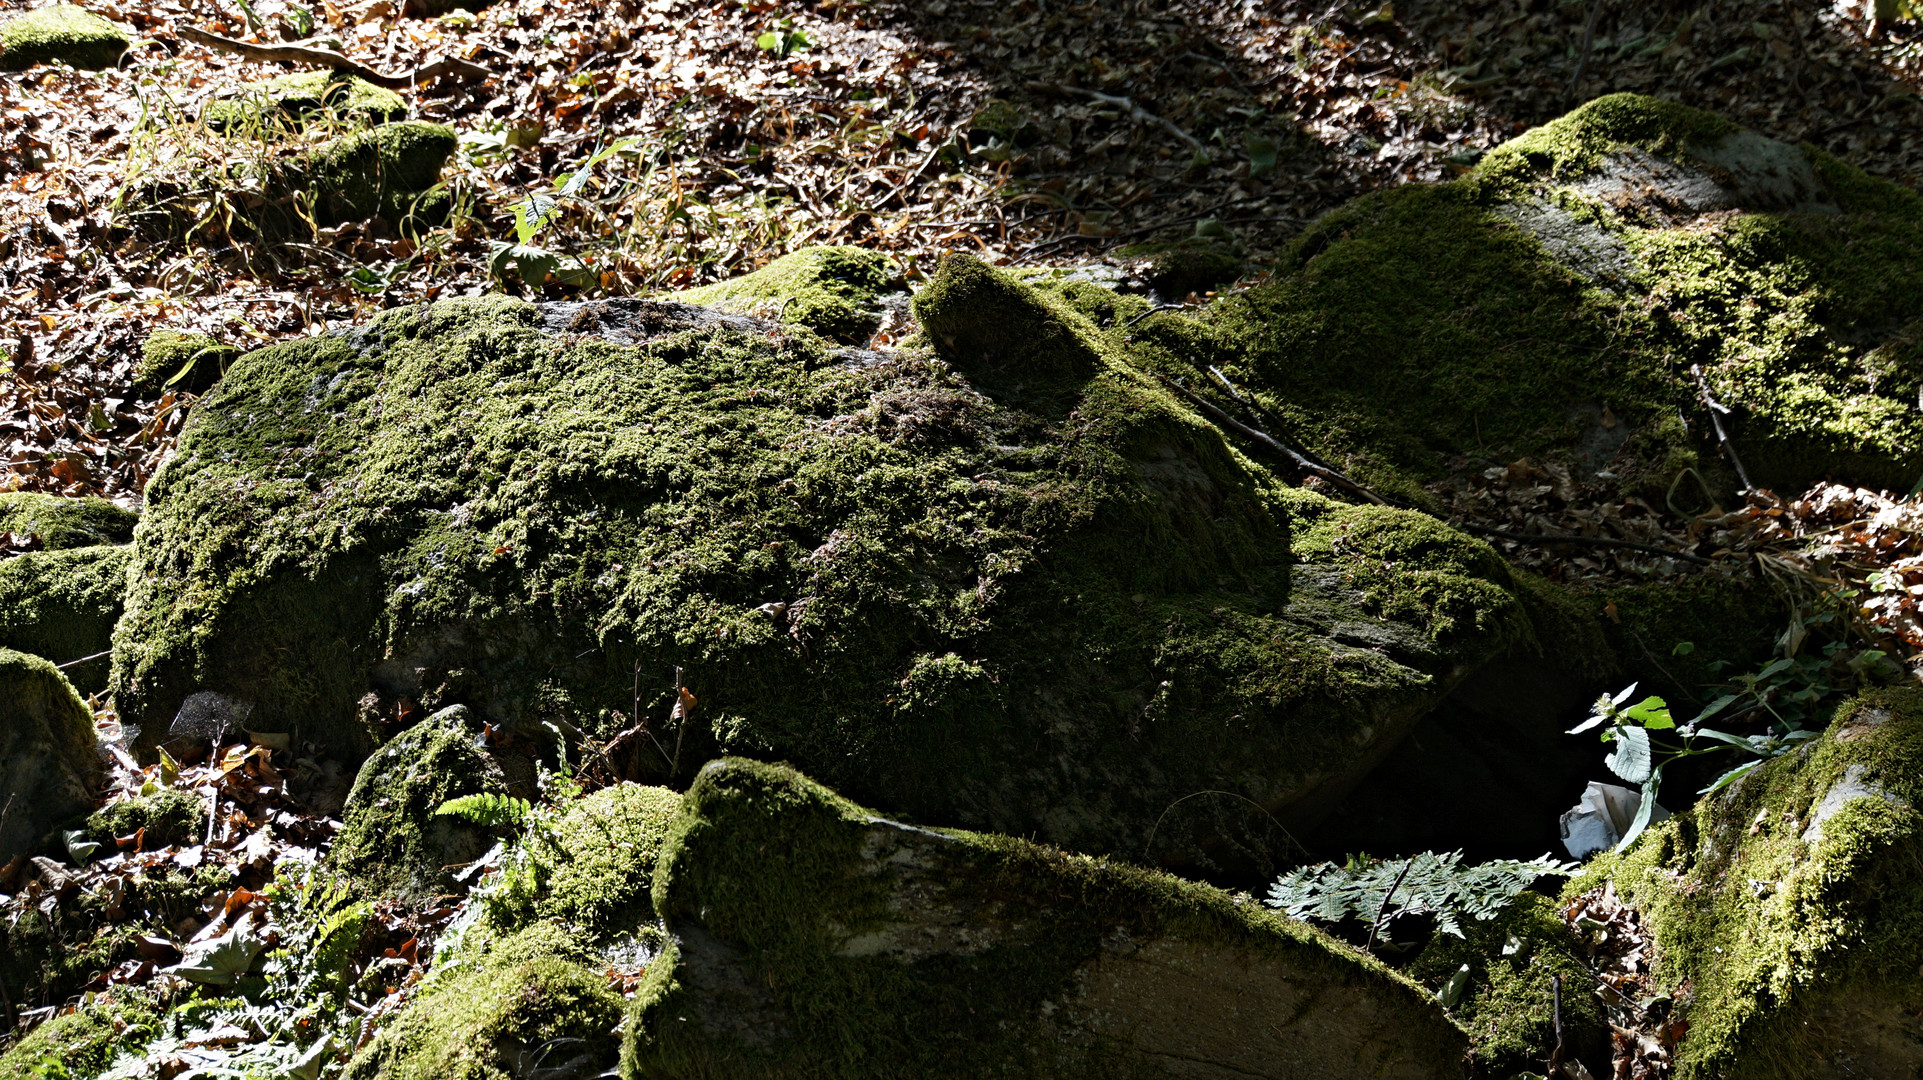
(487, 810)
(1377, 891)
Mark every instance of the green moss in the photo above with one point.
(170, 816)
(62, 605)
(535, 1003)
(65, 523)
(174, 360)
(1190, 266)
(592, 870)
(391, 839)
(815, 940)
(1508, 1004)
(834, 291)
(82, 1043)
(295, 100)
(384, 171)
(48, 760)
(60, 33)
(1575, 144)
(1786, 913)
(1020, 551)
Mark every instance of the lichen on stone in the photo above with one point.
(61, 33)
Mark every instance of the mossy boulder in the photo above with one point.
(290, 102)
(49, 764)
(1508, 1003)
(835, 291)
(391, 838)
(82, 1043)
(177, 360)
(58, 522)
(63, 605)
(167, 817)
(1590, 263)
(814, 938)
(1013, 589)
(536, 1003)
(61, 33)
(1786, 908)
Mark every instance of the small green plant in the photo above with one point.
(1379, 891)
(487, 810)
(535, 264)
(784, 39)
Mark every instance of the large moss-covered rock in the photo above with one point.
(289, 102)
(49, 764)
(1587, 265)
(59, 523)
(834, 291)
(63, 605)
(1787, 909)
(391, 838)
(1006, 586)
(82, 1043)
(61, 33)
(812, 938)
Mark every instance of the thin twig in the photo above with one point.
(1138, 113)
(1588, 36)
(1263, 438)
(1592, 541)
(1147, 844)
(1716, 411)
(85, 660)
(1151, 311)
(1376, 926)
(1555, 1001)
(308, 56)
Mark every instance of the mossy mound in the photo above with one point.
(391, 839)
(834, 291)
(1052, 608)
(1786, 908)
(63, 605)
(83, 1042)
(1590, 263)
(48, 761)
(591, 871)
(534, 1004)
(65, 523)
(290, 102)
(169, 816)
(63, 34)
(813, 938)
(176, 360)
(1508, 1003)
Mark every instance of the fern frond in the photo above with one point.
(487, 810)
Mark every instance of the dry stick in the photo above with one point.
(1588, 36)
(327, 58)
(85, 660)
(1376, 926)
(1555, 1000)
(1716, 411)
(1150, 842)
(1256, 408)
(1265, 439)
(1592, 541)
(1135, 111)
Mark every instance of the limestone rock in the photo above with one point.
(813, 938)
(1588, 263)
(390, 837)
(1785, 907)
(835, 291)
(1054, 612)
(48, 761)
(60, 33)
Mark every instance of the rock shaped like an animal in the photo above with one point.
(813, 938)
(1051, 612)
(49, 763)
(1785, 907)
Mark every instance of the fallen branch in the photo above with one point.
(1592, 541)
(1716, 411)
(1137, 112)
(308, 56)
(1300, 460)
(85, 660)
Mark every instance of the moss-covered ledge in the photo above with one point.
(60, 33)
(1788, 909)
(813, 939)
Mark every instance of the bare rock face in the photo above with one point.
(811, 938)
(48, 762)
